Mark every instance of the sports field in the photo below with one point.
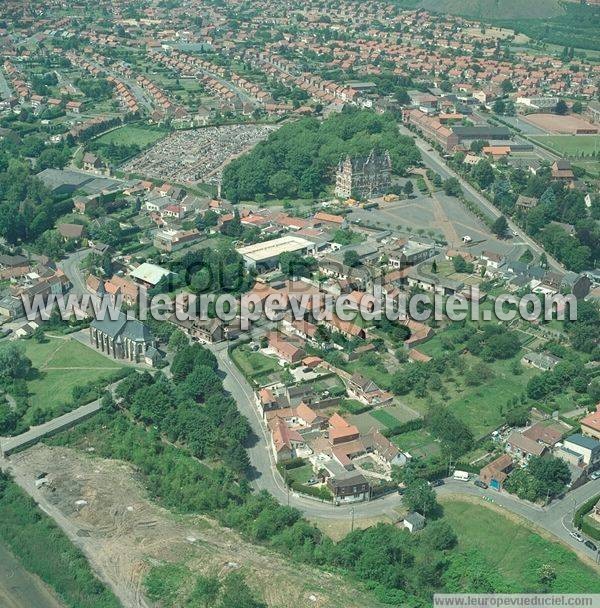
(571, 145)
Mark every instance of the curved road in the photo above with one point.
(555, 519)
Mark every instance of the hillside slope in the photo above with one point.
(495, 10)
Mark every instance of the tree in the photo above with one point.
(577, 107)
(295, 265)
(178, 340)
(456, 437)
(561, 107)
(552, 474)
(483, 173)
(208, 219)
(546, 575)
(439, 536)
(434, 267)
(351, 258)
(452, 187)
(460, 265)
(420, 497)
(499, 107)
(283, 184)
(500, 227)
(14, 364)
(478, 145)
(237, 594)
(408, 188)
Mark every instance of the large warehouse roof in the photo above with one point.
(270, 249)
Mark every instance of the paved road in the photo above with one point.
(35, 433)
(71, 266)
(434, 161)
(555, 519)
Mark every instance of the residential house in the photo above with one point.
(590, 424)
(13, 266)
(586, 448)
(285, 349)
(350, 487)
(71, 232)
(522, 447)
(544, 434)
(561, 170)
(496, 472)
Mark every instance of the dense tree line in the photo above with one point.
(192, 409)
(299, 158)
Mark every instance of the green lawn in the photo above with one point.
(130, 134)
(385, 418)
(479, 406)
(516, 551)
(253, 363)
(300, 474)
(417, 443)
(570, 145)
(63, 364)
(591, 166)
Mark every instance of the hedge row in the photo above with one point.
(412, 425)
(583, 510)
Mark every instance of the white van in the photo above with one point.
(460, 476)
(466, 239)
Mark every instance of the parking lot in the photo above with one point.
(411, 215)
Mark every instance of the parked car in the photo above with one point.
(436, 482)
(590, 545)
(577, 536)
(5, 332)
(595, 475)
(481, 484)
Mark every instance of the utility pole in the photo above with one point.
(352, 524)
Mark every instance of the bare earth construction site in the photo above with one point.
(123, 534)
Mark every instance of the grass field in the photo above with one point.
(488, 10)
(570, 145)
(130, 134)
(591, 166)
(63, 364)
(300, 474)
(253, 363)
(480, 406)
(517, 552)
(417, 443)
(385, 418)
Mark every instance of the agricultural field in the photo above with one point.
(62, 364)
(515, 551)
(570, 145)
